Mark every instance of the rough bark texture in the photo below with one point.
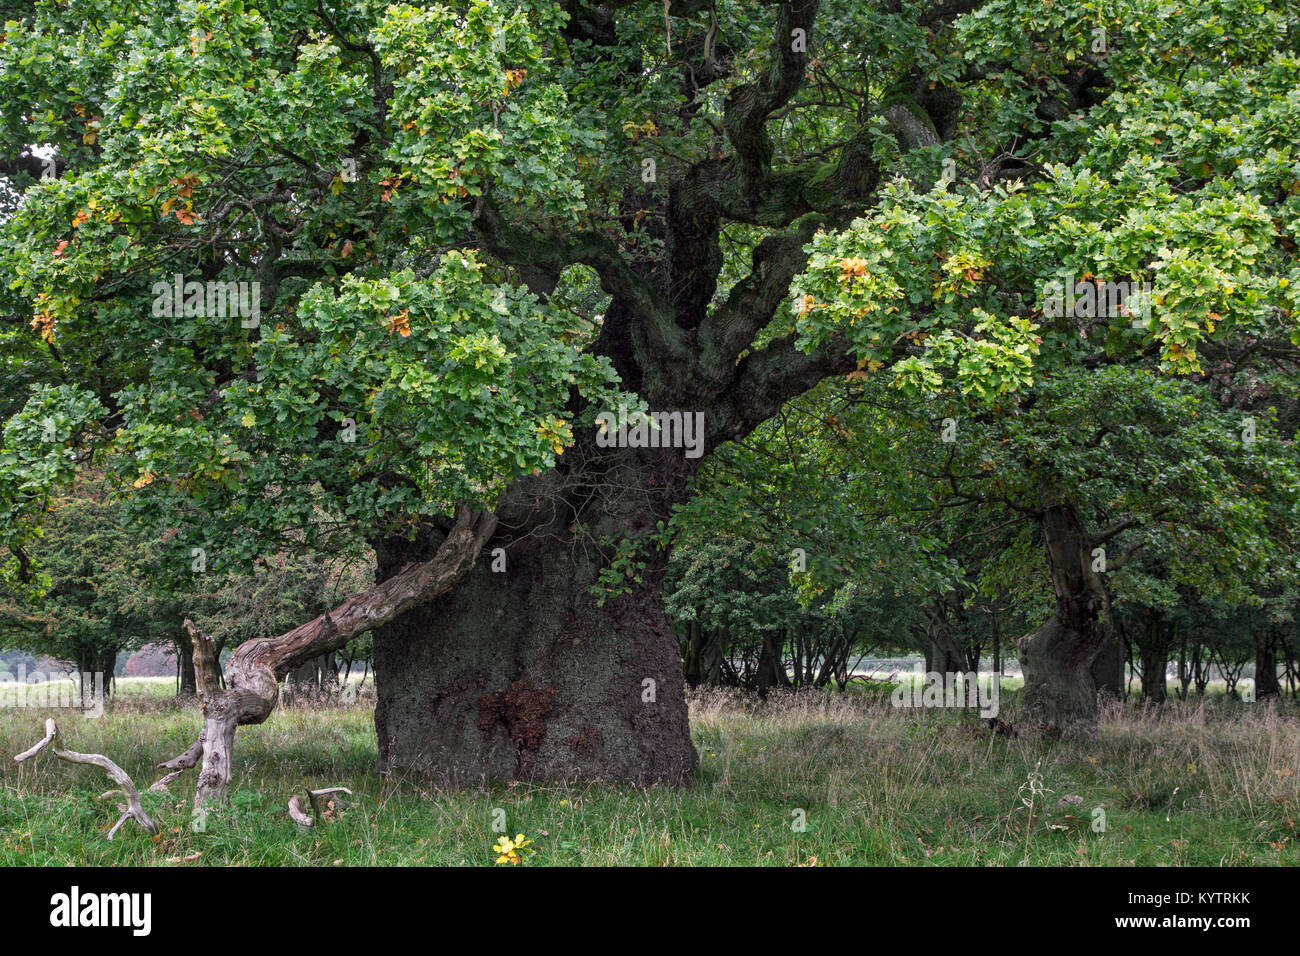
(1060, 696)
(519, 674)
(1108, 669)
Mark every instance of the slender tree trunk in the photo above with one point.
(1288, 667)
(1060, 696)
(1184, 676)
(997, 645)
(185, 668)
(1266, 682)
(92, 662)
(1153, 647)
(1200, 671)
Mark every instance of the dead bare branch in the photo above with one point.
(118, 775)
(160, 786)
(300, 816)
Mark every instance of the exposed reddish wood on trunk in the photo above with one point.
(256, 667)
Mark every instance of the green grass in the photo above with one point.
(1193, 784)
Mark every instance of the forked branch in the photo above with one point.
(119, 776)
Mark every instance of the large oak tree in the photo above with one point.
(475, 225)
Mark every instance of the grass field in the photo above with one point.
(1204, 783)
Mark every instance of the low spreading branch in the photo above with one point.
(255, 669)
(128, 790)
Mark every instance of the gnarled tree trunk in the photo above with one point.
(1060, 695)
(521, 673)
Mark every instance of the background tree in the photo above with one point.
(84, 615)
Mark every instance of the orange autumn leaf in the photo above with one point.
(513, 79)
(60, 249)
(852, 268)
(186, 216)
(44, 323)
(400, 323)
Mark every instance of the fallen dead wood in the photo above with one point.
(119, 776)
(300, 815)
